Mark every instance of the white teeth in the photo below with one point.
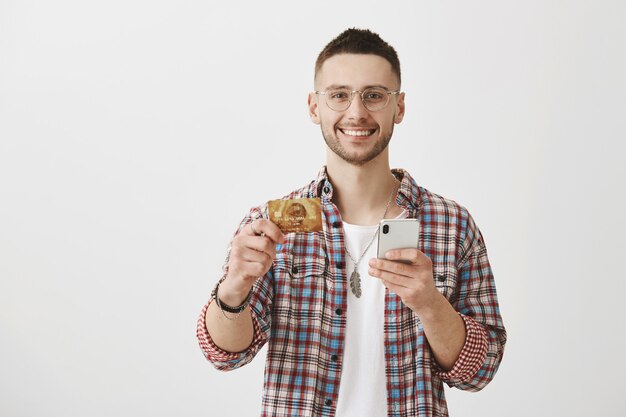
(358, 132)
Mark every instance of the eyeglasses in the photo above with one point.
(340, 99)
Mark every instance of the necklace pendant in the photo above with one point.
(355, 283)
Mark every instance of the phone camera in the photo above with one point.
(386, 229)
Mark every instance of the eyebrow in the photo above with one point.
(335, 86)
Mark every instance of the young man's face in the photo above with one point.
(357, 135)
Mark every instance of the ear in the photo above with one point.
(399, 109)
(313, 108)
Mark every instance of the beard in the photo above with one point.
(355, 158)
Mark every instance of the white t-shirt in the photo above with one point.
(363, 385)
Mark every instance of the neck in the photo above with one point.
(361, 192)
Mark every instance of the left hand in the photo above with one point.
(412, 282)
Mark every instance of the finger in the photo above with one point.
(412, 255)
(260, 243)
(394, 267)
(385, 276)
(393, 287)
(248, 270)
(267, 227)
(253, 255)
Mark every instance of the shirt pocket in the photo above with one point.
(302, 287)
(445, 277)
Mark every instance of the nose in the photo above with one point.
(357, 109)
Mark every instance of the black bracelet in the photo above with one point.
(234, 310)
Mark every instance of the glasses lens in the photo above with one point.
(375, 98)
(338, 99)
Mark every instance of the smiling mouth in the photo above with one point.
(357, 132)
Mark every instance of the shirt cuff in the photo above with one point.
(220, 357)
(472, 355)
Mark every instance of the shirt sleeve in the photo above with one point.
(472, 354)
(224, 360)
(260, 310)
(477, 303)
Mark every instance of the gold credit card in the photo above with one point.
(296, 215)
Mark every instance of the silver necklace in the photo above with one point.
(355, 277)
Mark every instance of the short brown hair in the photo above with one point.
(359, 41)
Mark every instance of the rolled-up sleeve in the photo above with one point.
(472, 354)
(477, 303)
(260, 310)
(221, 359)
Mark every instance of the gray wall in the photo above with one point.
(134, 135)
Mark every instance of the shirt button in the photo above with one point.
(441, 277)
(392, 318)
(339, 312)
(395, 407)
(328, 402)
(336, 225)
(294, 270)
(339, 265)
(334, 358)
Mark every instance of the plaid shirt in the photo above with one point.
(299, 307)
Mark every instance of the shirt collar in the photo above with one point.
(409, 194)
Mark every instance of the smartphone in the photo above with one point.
(397, 234)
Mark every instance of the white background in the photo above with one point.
(135, 134)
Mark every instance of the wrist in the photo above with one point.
(232, 294)
(226, 308)
(433, 306)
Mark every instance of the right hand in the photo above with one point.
(251, 256)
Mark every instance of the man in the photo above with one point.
(386, 349)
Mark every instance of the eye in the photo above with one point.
(339, 95)
(374, 95)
